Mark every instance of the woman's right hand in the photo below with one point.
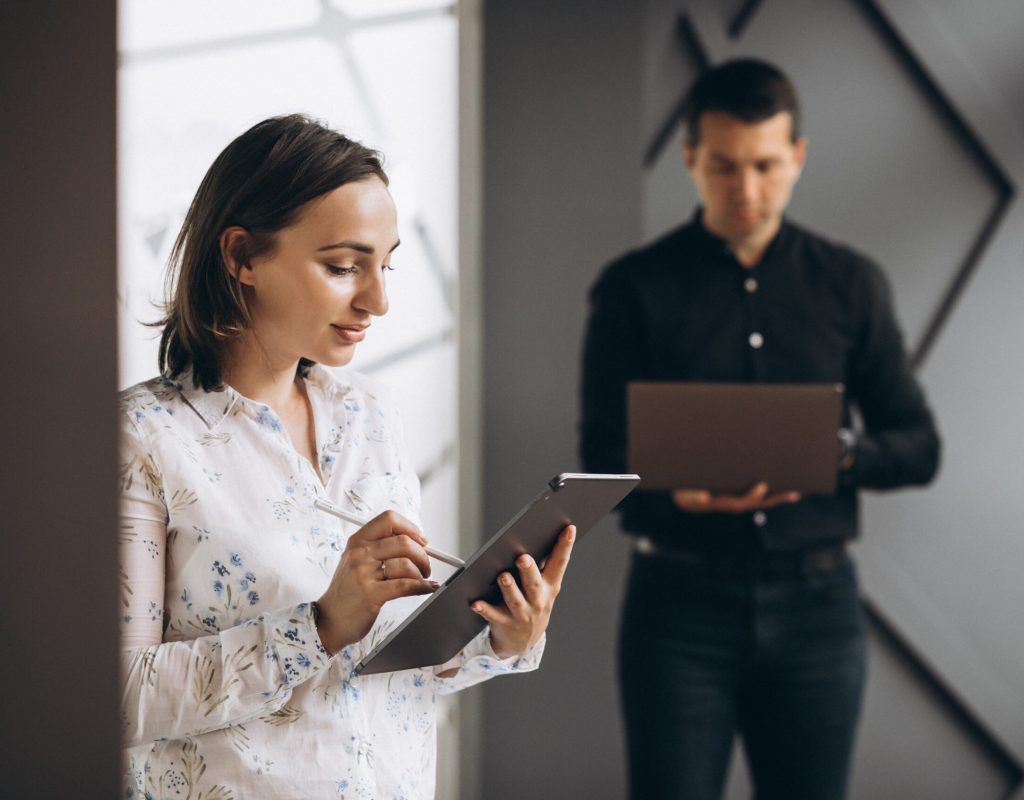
(383, 560)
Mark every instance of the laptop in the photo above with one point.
(725, 437)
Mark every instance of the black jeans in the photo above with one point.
(778, 658)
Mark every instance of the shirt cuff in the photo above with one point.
(479, 654)
(291, 640)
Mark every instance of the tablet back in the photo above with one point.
(727, 436)
(437, 630)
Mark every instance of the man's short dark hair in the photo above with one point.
(746, 88)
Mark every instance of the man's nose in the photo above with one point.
(746, 186)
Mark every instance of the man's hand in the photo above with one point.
(524, 617)
(701, 501)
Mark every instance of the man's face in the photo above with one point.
(744, 173)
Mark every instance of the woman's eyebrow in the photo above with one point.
(349, 244)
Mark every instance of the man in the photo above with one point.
(742, 612)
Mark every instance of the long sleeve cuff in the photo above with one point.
(193, 686)
(478, 662)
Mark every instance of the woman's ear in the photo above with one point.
(234, 251)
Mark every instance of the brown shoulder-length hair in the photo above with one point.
(260, 182)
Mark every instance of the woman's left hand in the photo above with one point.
(525, 615)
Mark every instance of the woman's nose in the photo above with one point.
(372, 296)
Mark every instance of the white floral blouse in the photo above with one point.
(228, 692)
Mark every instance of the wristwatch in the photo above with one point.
(847, 448)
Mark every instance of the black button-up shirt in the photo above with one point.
(684, 309)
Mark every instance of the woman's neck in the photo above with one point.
(251, 372)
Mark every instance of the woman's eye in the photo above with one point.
(387, 267)
(334, 269)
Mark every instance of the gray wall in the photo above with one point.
(561, 195)
(57, 338)
(915, 157)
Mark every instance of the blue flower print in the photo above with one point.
(236, 559)
(267, 418)
(254, 598)
(220, 569)
(218, 588)
(350, 690)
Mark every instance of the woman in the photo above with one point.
(245, 607)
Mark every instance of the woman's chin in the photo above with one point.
(336, 359)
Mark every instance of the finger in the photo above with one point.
(558, 561)
(529, 577)
(737, 504)
(494, 616)
(384, 591)
(756, 493)
(394, 568)
(692, 498)
(513, 597)
(389, 523)
(779, 499)
(400, 546)
(732, 504)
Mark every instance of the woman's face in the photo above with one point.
(314, 295)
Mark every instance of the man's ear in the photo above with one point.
(234, 252)
(800, 152)
(689, 156)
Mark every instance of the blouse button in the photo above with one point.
(760, 518)
(756, 340)
(750, 284)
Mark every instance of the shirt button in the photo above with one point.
(750, 284)
(760, 518)
(756, 340)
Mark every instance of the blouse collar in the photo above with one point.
(213, 406)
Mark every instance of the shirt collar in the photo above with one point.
(214, 405)
(719, 246)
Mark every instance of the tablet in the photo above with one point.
(438, 629)
(725, 437)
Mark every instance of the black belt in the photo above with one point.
(812, 561)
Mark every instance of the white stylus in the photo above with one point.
(355, 519)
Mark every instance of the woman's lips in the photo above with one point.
(350, 333)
